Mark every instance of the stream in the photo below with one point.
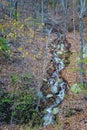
(54, 89)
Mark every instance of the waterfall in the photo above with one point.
(55, 85)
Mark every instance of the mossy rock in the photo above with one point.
(75, 88)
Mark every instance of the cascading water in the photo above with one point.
(55, 85)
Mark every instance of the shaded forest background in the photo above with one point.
(25, 36)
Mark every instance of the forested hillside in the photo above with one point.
(43, 64)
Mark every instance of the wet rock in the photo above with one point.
(59, 53)
(60, 96)
(58, 100)
(51, 81)
(56, 60)
(55, 111)
(61, 66)
(63, 85)
(59, 80)
(54, 88)
(58, 47)
(55, 74)
(40, 94)
(48, 117)
(49, 96)
(62, 47)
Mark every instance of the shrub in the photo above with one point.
(5, 106)
(20, 108)
(3, 47)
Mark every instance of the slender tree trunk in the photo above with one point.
(34, 15)
(16, 4)
(46, 53)
(81, 14)
(42, 11)
(81, 49)
(75, 38)
(13, 9)
(65, 8)
(10, 8)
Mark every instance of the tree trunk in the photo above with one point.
(42, 11)
(75, 41)
(81, 49)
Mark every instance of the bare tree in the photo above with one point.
(64, 4)
(13, 8)
(42, 11)
(82, 11)
(75, 42)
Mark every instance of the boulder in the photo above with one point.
(55, 111)
(49, 95)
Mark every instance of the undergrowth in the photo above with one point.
(4, 49)
(20, 108)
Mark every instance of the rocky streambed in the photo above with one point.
(54, 87)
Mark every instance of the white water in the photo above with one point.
(57, 87)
